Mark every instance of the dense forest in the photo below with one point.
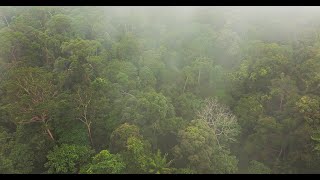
(159, 90)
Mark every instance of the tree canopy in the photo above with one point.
(159, 90)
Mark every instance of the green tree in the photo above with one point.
(198, 147)
(159, 164)
(256, 167)
(31, 97)
(119, 136)
(105, 163)
(68, 158)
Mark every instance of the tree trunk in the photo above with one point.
(184, 87)
(281, 101)
(6, 20)
(50, 134)
(50, 13)
(279, 155)
(89, 132)
(47, 56)
(126, 30)
(108, 35)
(13, 55)
(43, 118)
(199, 77)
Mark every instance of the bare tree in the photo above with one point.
(220, 119)
(84, 101)
(5, 18)
(40, 92)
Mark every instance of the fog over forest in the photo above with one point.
(159, 90)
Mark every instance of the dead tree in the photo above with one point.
(84, 101)
(220, 119)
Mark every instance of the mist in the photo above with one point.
(160, 90)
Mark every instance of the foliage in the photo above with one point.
(67, 158)
(156, 90)
(104, 163)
